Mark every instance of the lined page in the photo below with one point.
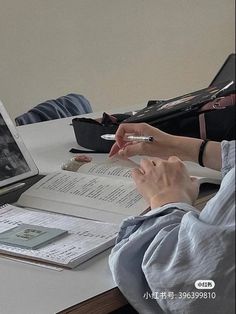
(86, 237)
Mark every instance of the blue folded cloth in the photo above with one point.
(62, 107)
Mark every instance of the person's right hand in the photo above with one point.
(162, 182)
(163, 146)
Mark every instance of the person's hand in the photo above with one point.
(163, 146)
(161, 182)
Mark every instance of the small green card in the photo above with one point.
(30, 237)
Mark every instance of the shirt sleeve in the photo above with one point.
(228, 156)
(158, 258)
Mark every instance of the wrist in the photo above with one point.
(172, 196)
(187, 148)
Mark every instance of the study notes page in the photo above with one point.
(85, 238)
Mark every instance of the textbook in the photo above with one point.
(102, 191)
(82, 238)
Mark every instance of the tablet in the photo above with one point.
(15, 161)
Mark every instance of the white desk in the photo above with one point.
(28, 289)
(49, 143)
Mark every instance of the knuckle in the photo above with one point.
(163, 163)
(143, 161)
(176, 161)
(173, 158)
(180, 164)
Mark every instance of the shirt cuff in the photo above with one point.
(181, 206)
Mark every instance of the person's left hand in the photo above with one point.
(162, 182)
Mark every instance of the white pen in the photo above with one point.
(129, 138)
(11, 188)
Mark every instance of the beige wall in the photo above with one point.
(115, 52)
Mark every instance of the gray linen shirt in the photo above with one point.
(158, 257)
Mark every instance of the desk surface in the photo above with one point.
(30, 289)
(49, 143)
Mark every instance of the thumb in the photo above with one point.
(132, 149)
(114, 150)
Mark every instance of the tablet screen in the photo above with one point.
(15, 161)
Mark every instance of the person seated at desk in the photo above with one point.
(160, 259)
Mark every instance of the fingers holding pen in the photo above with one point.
(162, 145)
(117, 150)
(128, 149)
(138, 129)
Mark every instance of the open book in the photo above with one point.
(84, 239)
(203, 174)
(101, 191)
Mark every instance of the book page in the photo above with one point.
(122, 168)
(103, 193)
(86, 237)
(203, 174)
(110, 168)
